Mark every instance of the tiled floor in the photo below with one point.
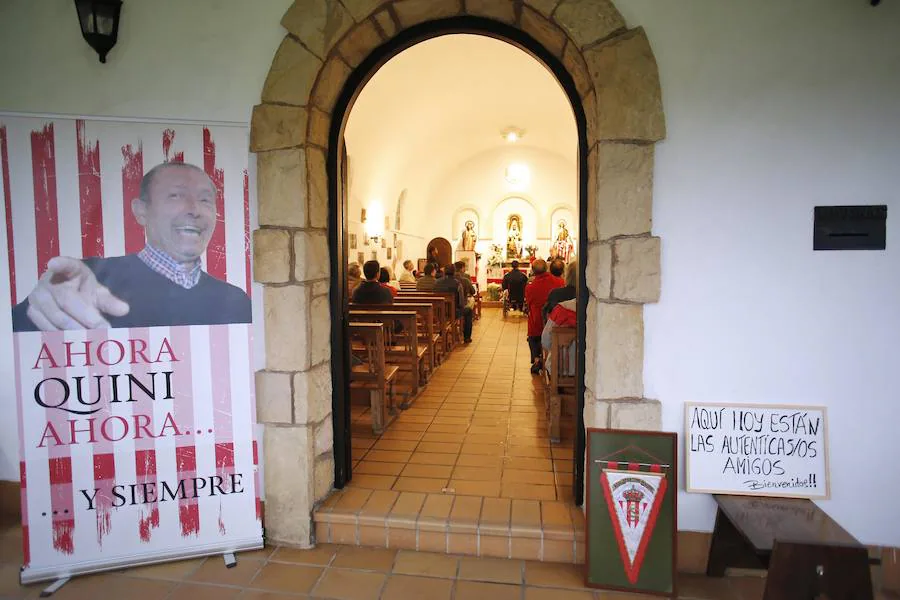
(477, 429)
(345, 573)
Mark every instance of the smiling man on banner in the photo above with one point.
(162, 285)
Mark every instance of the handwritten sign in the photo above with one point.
(760, 450)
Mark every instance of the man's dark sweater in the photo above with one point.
(371, 292)
(156, 301)
(515, 281)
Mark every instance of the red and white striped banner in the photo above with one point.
(136, 443)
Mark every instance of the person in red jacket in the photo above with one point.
(536, 294)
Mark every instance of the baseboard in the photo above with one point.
(10, 501)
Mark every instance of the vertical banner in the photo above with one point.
(128, 249)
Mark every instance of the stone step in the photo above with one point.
(460, 525)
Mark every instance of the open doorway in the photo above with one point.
(470, 139)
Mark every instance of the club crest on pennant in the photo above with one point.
(633, 496)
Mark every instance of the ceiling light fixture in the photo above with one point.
(513, 134)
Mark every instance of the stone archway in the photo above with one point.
(616, 78)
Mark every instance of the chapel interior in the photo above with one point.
(464, 148)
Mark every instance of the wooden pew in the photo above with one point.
(807, 553)
(454, 331)
(424, 328)
(373, 374)
(401, 343)
(559, 378)
(439, 312)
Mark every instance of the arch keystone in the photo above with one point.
(413, 12)
(626, 78)
(501, 10)
(587, 21)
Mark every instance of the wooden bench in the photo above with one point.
(439, 312)
(424, 329)
(453, 332)
(559, 380)
(400, 341)
(373, 374)
(806, 552)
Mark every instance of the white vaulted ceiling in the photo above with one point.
(446, 100)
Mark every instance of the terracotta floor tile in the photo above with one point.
(554, 575)
(349, 585)
(215, 571)
(430, 471)
(479, 449)
(176, 571)
(441, 447)
(352, 500)
(437, 506)
(320, 555)
(528, 464)
(379, 503)
(373, 482)
(113, 586)
(474, 590)
(388, 456)
(497, 570)
(528, 492)
(447, 428)
(399, 434)
(280, 577)
(529, 477)
(462, 487)
(526, 513)
(197, 591)
(425, 563)
(408, 505)
(407, 587)
(429, 458)
(420, 484)
(365, 559)
(551, 594)
(398, 445)
(441, 437)
(477, 473)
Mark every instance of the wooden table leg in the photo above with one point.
(729, 549)
(798, 570)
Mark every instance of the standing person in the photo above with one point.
(514, 283)
(564, 293)
(536, 294)
(449, 283)
(426, 282)
(384, 278)
(162, 285)
(370, 291)
(353, 277)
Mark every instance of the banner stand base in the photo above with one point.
(230, 560)
(54, 587)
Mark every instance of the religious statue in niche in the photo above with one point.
(563, 247)
(514, 237)
(469, 237)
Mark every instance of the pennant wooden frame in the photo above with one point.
(631, 452)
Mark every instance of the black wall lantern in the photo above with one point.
(99, 23)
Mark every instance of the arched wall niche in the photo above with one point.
(330, 49)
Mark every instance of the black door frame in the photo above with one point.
(337, 225)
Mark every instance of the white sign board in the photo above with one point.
(759, 450)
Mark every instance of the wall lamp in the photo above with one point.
(99, 23)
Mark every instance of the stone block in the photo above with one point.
(599, 270)
(596, 412)
(593, 189)
(288, 485)
(324, 437)
(636, 269)
(330, 83)
(359, 43)
(291, 75)
(547, 33)
(500, 10)
(589, 103)
(386, 22)
(312, 394)
(319, 125)
(319, 24)
(587, 21)
(545, 7)
(318, 188)
(626, 79)
(281, 188)
(324, 476)
(641, 414)
(577, 68)
(311, 260)
(624, 177)
(614, 350)
(287, 327)
(320, 288)
(271, 255)
(273, 397)
(413, 12)
(361, 9)
(273, 127)
(320, 315)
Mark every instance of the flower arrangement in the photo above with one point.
(493, 292)
(531, 250)
(496, 259)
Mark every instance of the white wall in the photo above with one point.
(772, 107)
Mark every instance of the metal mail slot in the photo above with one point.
(849, 227)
